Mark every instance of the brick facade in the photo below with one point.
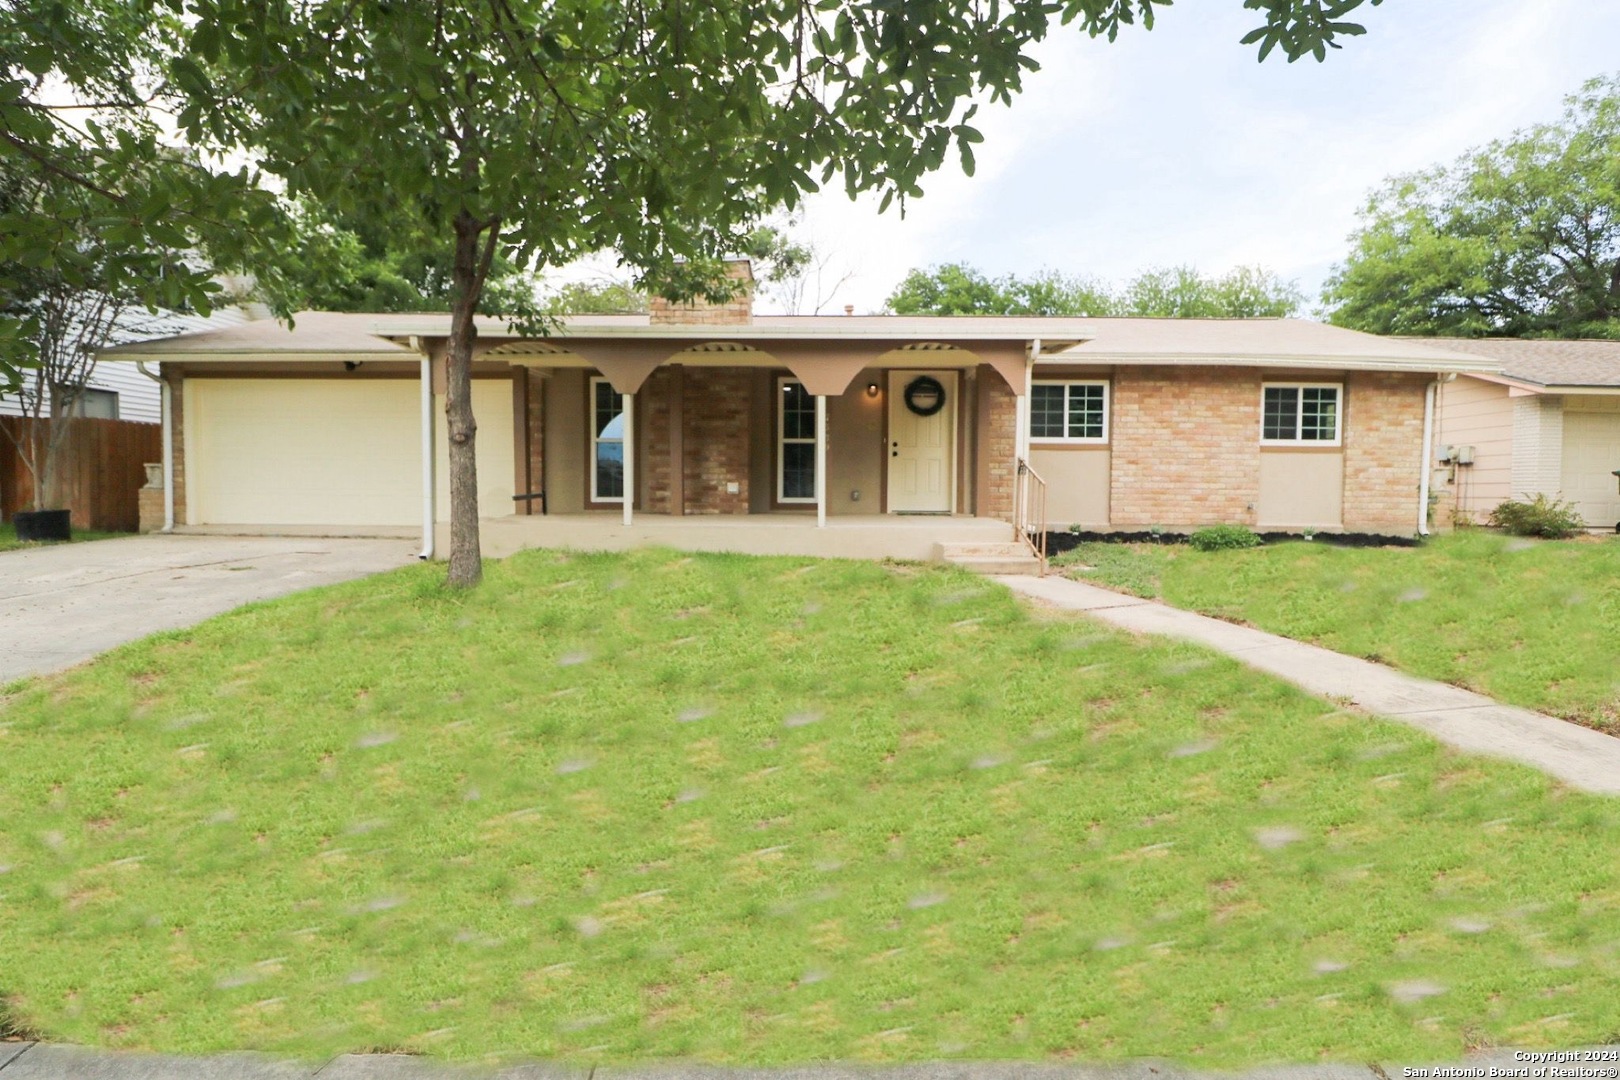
(655, 397)
(535, 435)
(998, 444)
(177, 428)
(149, 501)
(738, 311)
(1383, 438)
(716, 408)
(1185, 446)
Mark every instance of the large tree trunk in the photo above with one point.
(466, 559)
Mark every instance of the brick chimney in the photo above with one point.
(735, 312)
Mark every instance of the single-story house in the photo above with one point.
(1547, 423)
(705, 426)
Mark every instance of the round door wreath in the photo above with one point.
(925, 395)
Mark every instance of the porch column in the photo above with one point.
(429, 452)
(821, 461)
(628, 449)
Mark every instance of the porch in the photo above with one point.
(846, 536)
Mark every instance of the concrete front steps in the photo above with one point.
(989, 558)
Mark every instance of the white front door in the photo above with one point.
(922, 449)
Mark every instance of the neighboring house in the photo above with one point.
(893, 432)
(120, 391)
(1547, 423)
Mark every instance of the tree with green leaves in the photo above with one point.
(544, 130)
(1520, 238)
(94, 196)
(342, 264)
(1180, 292)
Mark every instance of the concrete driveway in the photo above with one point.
(65, 603)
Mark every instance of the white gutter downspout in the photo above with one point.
(1428, 451)
(165, 396)
(429, 480)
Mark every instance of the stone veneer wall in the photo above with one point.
(1186, 446)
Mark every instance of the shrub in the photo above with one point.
(1553, 519)
(1224, 537)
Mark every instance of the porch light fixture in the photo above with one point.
(871, 389)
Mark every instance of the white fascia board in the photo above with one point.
(260, 356)
(1414, 365)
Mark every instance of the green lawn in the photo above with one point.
(767, 810)
(1535, 623)
(9, 541)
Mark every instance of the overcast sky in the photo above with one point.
(1175, 146)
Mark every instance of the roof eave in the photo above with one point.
(1273, 360)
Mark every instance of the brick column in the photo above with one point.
(1383, 437)
(997, 440)
(177, 427)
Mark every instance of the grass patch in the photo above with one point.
(767, 810)
(1534, 623)
(1132, 568)
(9, 541)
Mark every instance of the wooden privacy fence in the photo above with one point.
(102, 470)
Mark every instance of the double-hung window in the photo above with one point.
(796, 450)
(607, 442)
(1300, 414)
(1069, 412)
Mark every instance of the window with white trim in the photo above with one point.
(607, 442)
(1072, 412)
(1300, 414)
(796, 443)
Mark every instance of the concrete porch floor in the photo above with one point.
(864, 536)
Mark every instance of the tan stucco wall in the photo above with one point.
(1076, 484)
(1473, 412)
(496, 452)
(855, 457)
(566, 479)
(1300, 489)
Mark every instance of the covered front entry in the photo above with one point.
(922, 442)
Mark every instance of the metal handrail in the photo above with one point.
(1029, 510)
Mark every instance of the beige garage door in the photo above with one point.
(1591, 454)
(328, 451)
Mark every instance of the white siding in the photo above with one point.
(1538, 445)
(138, 397)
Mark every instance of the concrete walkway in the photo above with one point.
(29, 1061)
(64, 603)
(1579, 756)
